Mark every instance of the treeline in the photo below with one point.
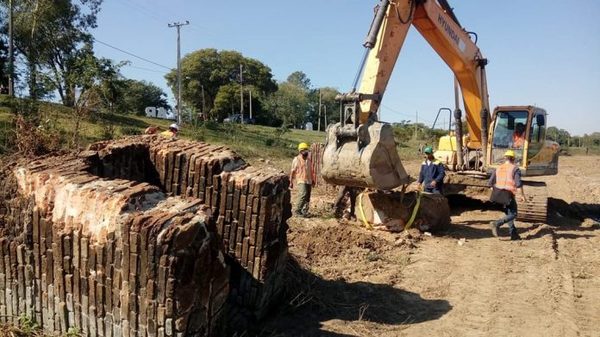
(217, 84)
(55, 60)
(566, 140)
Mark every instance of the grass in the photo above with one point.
(253, 142)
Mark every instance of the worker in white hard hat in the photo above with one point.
(172, 132)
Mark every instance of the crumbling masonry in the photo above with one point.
(141, 237)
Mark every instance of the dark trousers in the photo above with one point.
(339, 204)
(511, 213)
(435, 190)
(303, 198)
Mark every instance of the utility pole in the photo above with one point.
(204, 116)
(319, 120)
(250, 91)
(11, 66)
(178, 26)
(242, 93)
(416, 123)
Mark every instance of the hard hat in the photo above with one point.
(303, 146)
(174, 126)
(428, 150)
(509, 153)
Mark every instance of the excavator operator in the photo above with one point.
(518, 136)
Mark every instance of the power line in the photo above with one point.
(147, 69)
(158, 16)
(131, 54)
(405, 114)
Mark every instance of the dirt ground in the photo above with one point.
(345, 280)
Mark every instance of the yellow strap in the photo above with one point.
(362, 212)
(414, 212)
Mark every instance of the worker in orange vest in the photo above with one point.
(303, 176)
(507, 180)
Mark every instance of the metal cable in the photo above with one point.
(360, 69)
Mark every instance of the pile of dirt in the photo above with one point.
(333, 241)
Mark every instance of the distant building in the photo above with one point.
(308, 126)
(161, 113)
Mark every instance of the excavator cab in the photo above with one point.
(523, 130)
(361, 153)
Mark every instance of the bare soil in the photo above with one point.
(344, 280)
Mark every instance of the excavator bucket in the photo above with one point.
(363, 157)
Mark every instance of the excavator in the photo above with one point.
(361, 151)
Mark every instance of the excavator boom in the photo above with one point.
(360, 151)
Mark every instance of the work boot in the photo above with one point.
(494, 228)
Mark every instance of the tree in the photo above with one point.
(3, 63)
(204, 72)
(53, 37)
(137, 95)
(289, 104)
(299, 79)
(561, 136)
(329, 106)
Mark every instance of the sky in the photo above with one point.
(541, 52)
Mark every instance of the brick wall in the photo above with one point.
(142, 236)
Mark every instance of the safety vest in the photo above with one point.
(302, 170)
(505, 177)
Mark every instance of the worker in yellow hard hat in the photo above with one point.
(302, 175)
(505, 182)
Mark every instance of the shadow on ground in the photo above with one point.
(562, 213)
(311, 301)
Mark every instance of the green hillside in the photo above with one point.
(253, 142)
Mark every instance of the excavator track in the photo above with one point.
(535, 208)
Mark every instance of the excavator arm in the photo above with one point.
(361, 151)
(452, 43)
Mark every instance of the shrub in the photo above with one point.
(130, 131)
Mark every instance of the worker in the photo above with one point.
(339, 204)
(507, 179)
(172, 132)
(302, 176)
(519, 136)
(151, 130)
(432, 173)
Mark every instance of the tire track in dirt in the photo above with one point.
(500, 288)
(582, 281)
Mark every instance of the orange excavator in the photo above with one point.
(361, 151)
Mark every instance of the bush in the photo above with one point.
(108, 132)
(198, 134)
(281, 131)
(130, 131)
(211, 125)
